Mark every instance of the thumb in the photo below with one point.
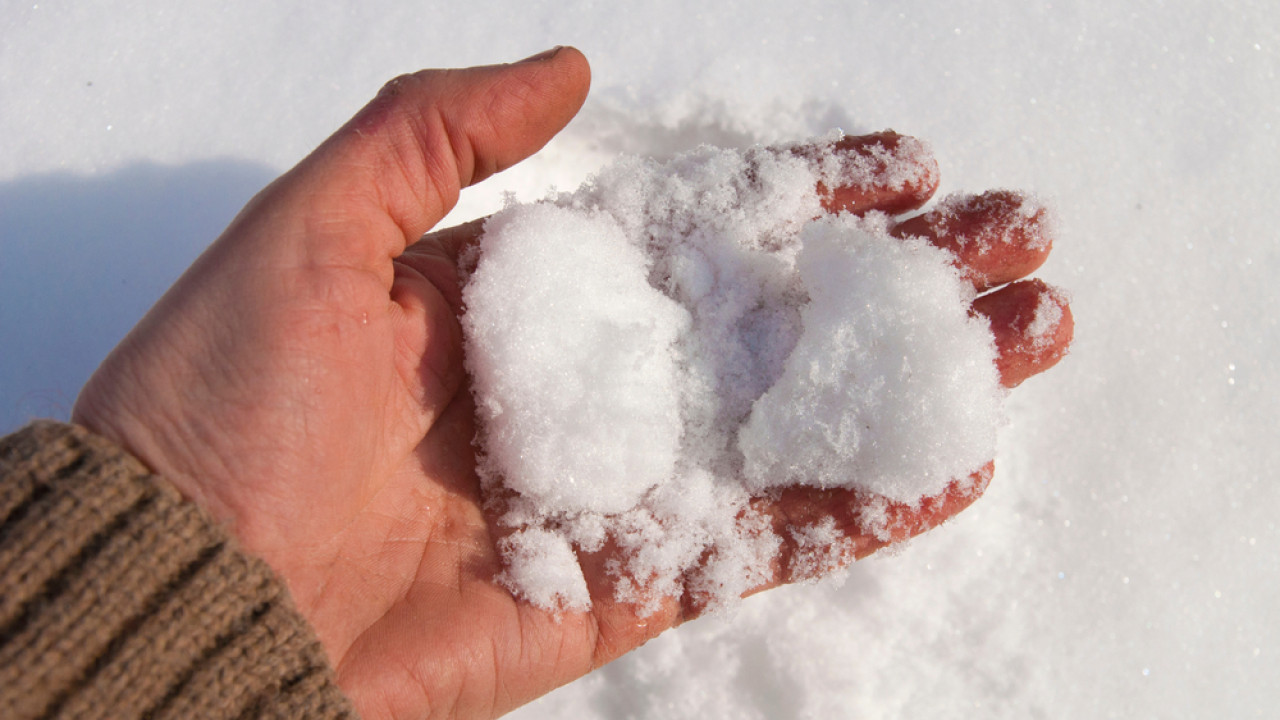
(406, 155)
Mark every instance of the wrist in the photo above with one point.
(119, 593)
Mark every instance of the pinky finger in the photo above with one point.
(1032, 325)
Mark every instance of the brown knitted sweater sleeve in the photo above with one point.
(118, 599)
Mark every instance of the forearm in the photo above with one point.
(120, 599)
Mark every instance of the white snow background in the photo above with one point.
(1125, 562)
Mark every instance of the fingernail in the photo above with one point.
(544, 55)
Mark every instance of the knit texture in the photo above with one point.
(118, 599)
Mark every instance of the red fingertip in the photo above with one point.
(884, 172)
(901, 521)
(1032, 325)
(996, 237)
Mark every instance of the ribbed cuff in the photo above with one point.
(119, 599)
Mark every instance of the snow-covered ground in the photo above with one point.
(1126, 561)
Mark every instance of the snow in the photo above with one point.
(1125, 561)
(572, 356)
(891, 370)
(1046, 320)
(652, 351)
(541, 566)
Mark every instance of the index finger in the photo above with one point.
(883, 171)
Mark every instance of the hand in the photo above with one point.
(304, 382)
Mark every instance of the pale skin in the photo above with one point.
(304, 382)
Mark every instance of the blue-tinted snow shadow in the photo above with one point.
(82, 258)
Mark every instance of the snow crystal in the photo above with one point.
(652, 351)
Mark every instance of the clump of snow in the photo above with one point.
(581, 405)
(891, 382)
(545, 570)
(651, 352)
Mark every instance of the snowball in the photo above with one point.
(652, 351)
(890, 388)
(575, 370)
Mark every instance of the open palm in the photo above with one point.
(304, 381)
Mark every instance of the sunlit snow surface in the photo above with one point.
(1124, 563)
